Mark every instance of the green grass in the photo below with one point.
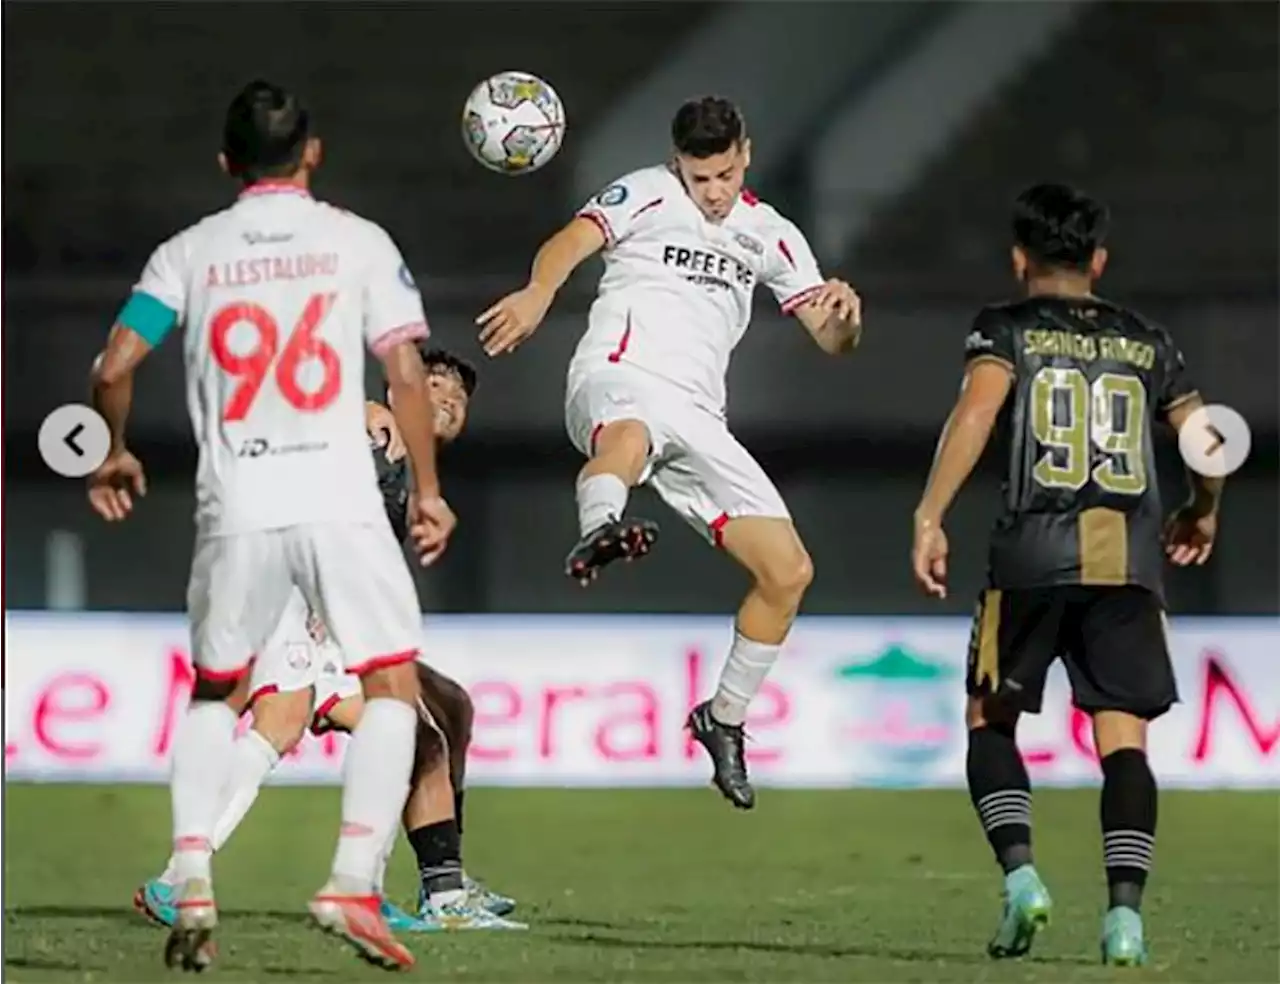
(658, 886)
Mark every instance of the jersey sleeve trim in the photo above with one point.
(388, 340)
(148, 316)
(797, 300)
(602, 223)
(989, 357)
(1177, 401)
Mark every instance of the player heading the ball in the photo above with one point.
(685, 245)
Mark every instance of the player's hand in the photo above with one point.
(836, 297)
(513, 319)
(380, 422)
(431, 522)
(929, 557)
(114, 484)
(1189, 536)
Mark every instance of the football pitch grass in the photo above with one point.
(668, 885)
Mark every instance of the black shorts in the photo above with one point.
(1112, 640)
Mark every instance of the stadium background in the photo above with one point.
(897, 142)
(896, 134)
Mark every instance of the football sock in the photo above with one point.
(375, 783)
(253, 758)
(1001, 793)
(438, 847)
(458, 796)
(202, 754)
(743, 675)
(380, 876)
(601, 499)
(1128, 814)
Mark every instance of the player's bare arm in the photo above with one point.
(431, 521)
(964, 437)
(505, 325)
(1192, 529)
(115, 482)
(833, 317)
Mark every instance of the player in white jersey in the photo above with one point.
(278, 296)
(685, 245)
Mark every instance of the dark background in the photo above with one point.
(1167, 111)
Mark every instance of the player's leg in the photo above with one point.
(1012, 644)
(724, 493)
(356, 580)
(237, 592)
(450, 706)
(432, 827)
(279, 721)
(1122, 675)
(606, 421)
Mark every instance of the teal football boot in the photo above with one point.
(1026, 911)
(1122, 941)
(156, 901)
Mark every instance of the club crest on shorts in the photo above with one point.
(299, 657)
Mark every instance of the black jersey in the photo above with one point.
(1081, 501)
(393, 483)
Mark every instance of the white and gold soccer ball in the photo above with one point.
(513, 123)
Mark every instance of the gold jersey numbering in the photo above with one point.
(1107, 414)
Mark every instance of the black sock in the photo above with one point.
(458, 796)
(1128, 813)
(439, 850)
(1001, 793)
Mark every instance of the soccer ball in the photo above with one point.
(513, 123)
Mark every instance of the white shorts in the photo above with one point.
(696, 466)
(352, 575)
(295, 659)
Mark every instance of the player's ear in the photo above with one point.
(1098, 262)
(1018, 258)
(312, 153)
(746, 152)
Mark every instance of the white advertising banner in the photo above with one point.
(601, 701)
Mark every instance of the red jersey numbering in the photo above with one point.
(251, 367)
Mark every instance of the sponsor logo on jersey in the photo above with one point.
(615, 194)
(708, 267)
(977, 342)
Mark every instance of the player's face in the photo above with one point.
(449, 397)
(714, 183)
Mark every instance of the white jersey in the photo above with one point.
(676, 294)
(278, 296)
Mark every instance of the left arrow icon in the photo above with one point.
(74, 440)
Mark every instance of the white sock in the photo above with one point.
(380, 876)
(743, 675)
(375, 784)
(253, 760)
(202, 754)
(601, 498)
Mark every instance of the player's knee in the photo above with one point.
(786, 575)
(398, 682)
(282, 718)
(1114, 731)
(624, 444)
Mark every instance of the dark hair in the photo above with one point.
(1059, 226)
(438, 360)
(265, 132)
(705, 127)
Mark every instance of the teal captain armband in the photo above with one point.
(148, 317)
